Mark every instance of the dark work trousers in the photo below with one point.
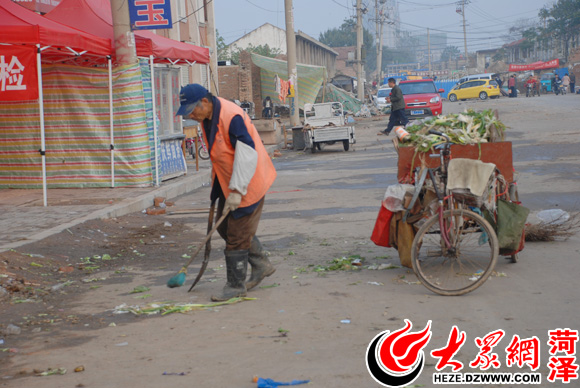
(238, 233)
(398, 117)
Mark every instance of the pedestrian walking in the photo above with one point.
(242, 173)
(573, 83)
(398, 116)
(566, 81)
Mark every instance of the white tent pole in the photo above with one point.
(41, 107)
(111, 126)
(154, 120)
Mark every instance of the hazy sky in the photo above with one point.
(487, 20)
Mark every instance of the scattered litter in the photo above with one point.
(57, 287)
(271, 285)
(36, 330)
(144, 296)
(139, 289)
(80, 368)
(112, 324)
(269, 383)
(50, 372)
(499, 274)
(122, 344)
(357, 262)
(383, 266)
(186, 256)
(162, 236)
(174, 374)
(375, 284)
(36, 264)
(11, 329)
(90, 280)
(299, 352)
(167, 224)
(1, 341)
(345, 321)
(168, 308)
(553, 216)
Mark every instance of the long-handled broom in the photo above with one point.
(179, 279)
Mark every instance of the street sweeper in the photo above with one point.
(242, 173)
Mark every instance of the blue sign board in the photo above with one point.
(150, 14)
(172, 160)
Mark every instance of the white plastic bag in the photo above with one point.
(394, 196)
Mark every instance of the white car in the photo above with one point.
(381, 100)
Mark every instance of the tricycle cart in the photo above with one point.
(458, 205)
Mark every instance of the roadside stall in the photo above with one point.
(29, 41)
(456, 207)
(94, 16)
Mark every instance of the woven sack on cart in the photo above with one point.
(402, 235)
(510, 226)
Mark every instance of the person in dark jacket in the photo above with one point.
(398, 116)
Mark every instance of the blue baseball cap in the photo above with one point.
(188, 97)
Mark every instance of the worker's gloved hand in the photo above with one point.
(233, 201)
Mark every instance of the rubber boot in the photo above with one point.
(236, 267)
(261, 266)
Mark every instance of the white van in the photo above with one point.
(475, 76)
(381, 97)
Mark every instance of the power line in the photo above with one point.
(262, 8)
(189, 14)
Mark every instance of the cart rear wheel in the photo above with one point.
(463, 267)
(345, 144)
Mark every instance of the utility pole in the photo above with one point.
(464, 33)
(359, 61)
(292, 72)
(380, 20)
(429, 50)
(211, 41)
(124, 38)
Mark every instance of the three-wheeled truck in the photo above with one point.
(325, 123)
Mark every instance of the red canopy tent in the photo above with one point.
(19, 28)
(19, 25)
(94, 16)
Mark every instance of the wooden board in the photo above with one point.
(499, 153)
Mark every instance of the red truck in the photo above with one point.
(422, 98)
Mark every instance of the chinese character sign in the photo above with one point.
(150, 14)
(18, 78)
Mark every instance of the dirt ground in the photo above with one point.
(313, 319)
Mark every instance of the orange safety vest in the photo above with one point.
(222, 155)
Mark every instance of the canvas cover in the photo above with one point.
(76, 103)
(310, 78)
(19, 25)
(94, 16)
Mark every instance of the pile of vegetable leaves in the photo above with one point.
(469, 127)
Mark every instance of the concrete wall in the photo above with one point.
(311, 52)
(268, 34)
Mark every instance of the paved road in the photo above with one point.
(324, 206)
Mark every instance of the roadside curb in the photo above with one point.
(129, 205)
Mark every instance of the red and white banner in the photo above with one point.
(554, 63)
(18, 77)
